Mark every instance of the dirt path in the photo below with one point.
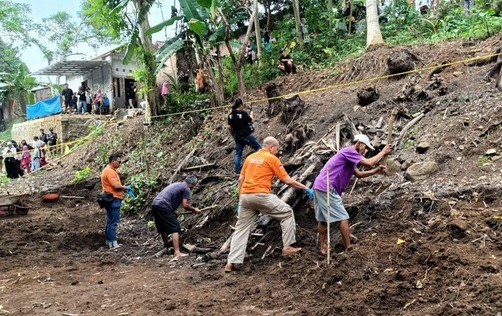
(53, 263)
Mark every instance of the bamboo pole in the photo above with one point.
(328, 259)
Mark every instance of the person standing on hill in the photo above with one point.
(67, 94)
(164, 206)
(9, 155)
(240, 125)
(111, 183)
(341, 167)
(82, 101)
(37, 144)
(255, 186)
(52, 139)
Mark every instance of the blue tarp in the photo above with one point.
(44, 108)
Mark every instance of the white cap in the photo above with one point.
(9, 143)
(363, 139)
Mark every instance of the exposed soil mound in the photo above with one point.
(422, 247)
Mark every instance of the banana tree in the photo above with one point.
(17, 87)
(130, 17)
(202, 33)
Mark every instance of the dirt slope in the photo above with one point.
(54, 263)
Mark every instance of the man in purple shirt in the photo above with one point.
(341, 167)
(164, 206)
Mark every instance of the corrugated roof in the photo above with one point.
(70, 68)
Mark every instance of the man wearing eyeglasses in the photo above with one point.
(255, 186)
(111, 183)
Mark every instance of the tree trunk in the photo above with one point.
(296, 10)
(266, 5)
(221, 75)
(148, 60)
(257, 31)
(217, 96)
(330, 14)
(373, 34)
(239, 59)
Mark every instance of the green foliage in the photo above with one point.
(141, 185)
(3, 179)
(82, 174)
(17, 86)
(6, 134)
(409, 143)
(483, 160)
(151, 225)
(177, 101)
(95, 130)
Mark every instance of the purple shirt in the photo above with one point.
(172, 196)
(341, 167)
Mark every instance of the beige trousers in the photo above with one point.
(250, 206)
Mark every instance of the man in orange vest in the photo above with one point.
(255, 186)
(111, 183)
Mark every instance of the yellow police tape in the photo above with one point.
(341, 85)
(67, 149)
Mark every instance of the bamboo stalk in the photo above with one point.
(329, 211)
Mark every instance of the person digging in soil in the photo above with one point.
(255, 183)
(111, 183)
(164, 206)
(239, 123)
(341, 168)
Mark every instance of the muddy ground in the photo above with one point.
(428, 247)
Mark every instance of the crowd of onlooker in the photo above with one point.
(21, 158)
(85, 101)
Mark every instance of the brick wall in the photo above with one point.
(27, 130)
(68, 127)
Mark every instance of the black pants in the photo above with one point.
(11, 167)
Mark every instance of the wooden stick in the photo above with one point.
(329, 146)
(72, 197)
(353, 186)
(160, 253)
(337, 135)
(202, 209)
(200, 166)
(329, 211)
(178, 169)
(266, 252)
(408, 126)
(390, 126)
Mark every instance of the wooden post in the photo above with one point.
(390, 126)
(328, 259)
(145, 152)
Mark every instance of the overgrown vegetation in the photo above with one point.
(329, 41)
(82, 174)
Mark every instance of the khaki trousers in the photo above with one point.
(250, 206)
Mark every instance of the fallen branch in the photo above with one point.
(178, 169)
(406, 128)
(199, 166)
(160, 253)
(72, 197)
(266, 252)
(337, 136)
(490, 128)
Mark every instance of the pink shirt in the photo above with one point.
(165, 89)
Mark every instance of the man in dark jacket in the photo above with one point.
(67, 95)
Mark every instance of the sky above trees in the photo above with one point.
(32, 55)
